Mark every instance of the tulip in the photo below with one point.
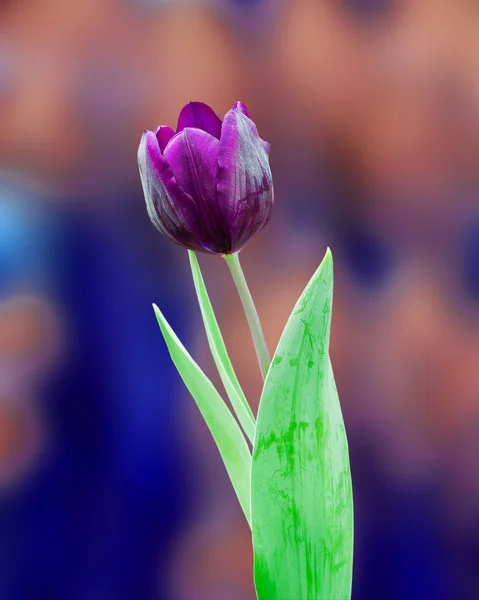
(207, 187)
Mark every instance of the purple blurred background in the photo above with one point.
(110, 486)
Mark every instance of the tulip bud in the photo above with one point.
(207, 187)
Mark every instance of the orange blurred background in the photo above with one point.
(110, 486)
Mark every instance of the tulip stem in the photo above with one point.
(232, 260)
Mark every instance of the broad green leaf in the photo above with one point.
(220, 354)
(302, 505)
(223, 426)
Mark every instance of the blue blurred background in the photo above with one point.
(110, 487)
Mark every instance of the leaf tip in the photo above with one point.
(158, 314)
(328, 257)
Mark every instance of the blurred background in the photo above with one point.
(110, 486)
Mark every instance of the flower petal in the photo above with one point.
(164, 135)
(193, 158)
(245, 183)
(240, 106)
(170, 208)
(200, 116)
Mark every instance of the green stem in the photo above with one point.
(232, 260)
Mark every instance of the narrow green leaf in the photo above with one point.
(220, 354)
(223, 426)
(302, 504)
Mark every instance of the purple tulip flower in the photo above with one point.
(208, 186)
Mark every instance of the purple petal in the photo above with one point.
(245, 184)
(200, 116)
(240, 106)
(164, 135)
(170, 208)
(193, 158)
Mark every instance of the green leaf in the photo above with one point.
(223, 426)
(302, 505)
(220, 354)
